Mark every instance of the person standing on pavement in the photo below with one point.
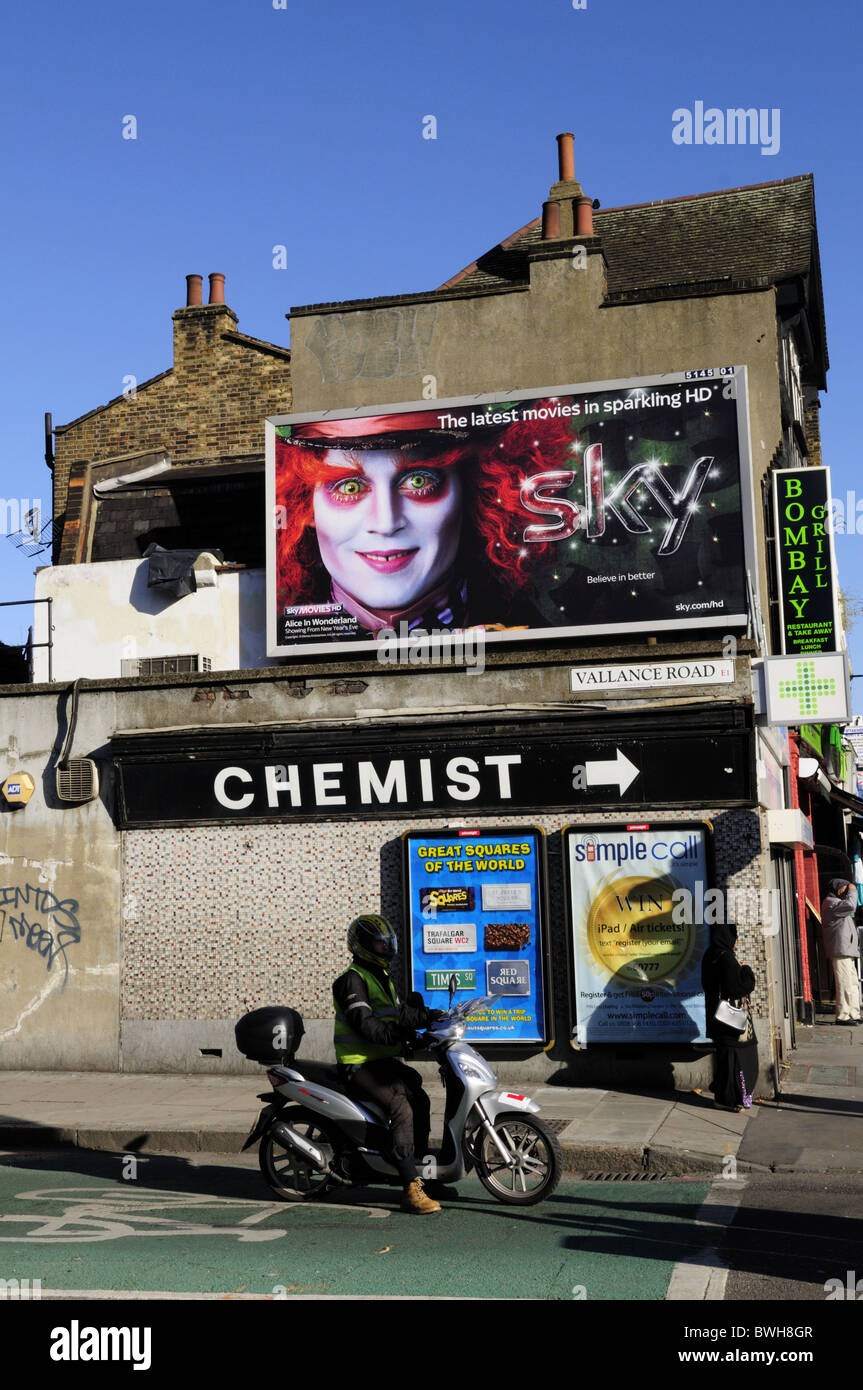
(736, 1061)
(842, 945)
(371, 1029)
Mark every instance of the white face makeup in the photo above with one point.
(388, 529)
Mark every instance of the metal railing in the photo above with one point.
(31, 645)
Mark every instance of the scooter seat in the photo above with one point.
(321, 1074)
(324, 1074)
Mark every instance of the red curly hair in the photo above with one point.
(492, 484)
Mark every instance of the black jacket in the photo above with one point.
(352, 997)
(723, 977)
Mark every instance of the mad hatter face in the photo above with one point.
(388, 527)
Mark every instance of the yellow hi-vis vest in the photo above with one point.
(351, 1049)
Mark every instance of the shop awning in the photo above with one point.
(846, 799)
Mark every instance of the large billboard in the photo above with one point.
(620, 506)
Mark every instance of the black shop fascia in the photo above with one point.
(700, 756)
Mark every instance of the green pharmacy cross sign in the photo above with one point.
(807, 688)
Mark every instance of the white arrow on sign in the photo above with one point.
(618, 771)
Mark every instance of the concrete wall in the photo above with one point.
(60, 900)
(220, 920)
(104, 613)
(177, 931)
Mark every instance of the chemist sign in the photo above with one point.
(636, 949)
(475, 909)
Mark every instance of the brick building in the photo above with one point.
(199, 420)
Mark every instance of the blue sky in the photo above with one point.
(302, 126)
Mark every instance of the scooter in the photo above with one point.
(315, 1137)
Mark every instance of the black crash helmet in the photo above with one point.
(372, 939)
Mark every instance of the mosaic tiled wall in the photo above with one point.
(222, 919)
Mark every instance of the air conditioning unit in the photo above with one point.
(78, 780)
(164, 665)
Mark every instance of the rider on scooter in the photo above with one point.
(371, 1028)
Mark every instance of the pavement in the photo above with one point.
(813, 1126)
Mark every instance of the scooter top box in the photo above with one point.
(269, 1035)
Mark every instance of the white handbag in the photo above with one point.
(732, 1016)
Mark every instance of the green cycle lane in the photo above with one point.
(75, 1222)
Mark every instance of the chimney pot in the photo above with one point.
(193, 290)
(583, 217)
(566, 157)
(550, 221)
(217, 288)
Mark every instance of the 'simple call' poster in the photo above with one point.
(635, 898)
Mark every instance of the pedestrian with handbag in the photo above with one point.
(842, 945)
(727, 985)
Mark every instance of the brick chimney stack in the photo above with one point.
(567, 211)
(198, 327)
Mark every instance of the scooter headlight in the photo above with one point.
(475, 1069)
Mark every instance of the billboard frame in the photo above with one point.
(687, 378)
(632, 824)
(486, 832)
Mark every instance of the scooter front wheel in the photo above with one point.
(535, 1164)
(289, 1177)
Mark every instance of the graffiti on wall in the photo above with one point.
(44, 923)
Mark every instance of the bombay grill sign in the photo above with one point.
(621, 505)
(805, 560)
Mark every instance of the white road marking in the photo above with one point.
(702, 1276)
(93, 1215)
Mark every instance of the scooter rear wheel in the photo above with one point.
(537, 1160)
(287, 1175)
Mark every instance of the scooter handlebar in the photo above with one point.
(455, 1016)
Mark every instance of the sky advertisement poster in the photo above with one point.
(475, 903)
(550, 513)
(636, 950)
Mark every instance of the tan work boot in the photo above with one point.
(414, 1199)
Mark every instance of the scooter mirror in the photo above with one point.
(453, 985)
